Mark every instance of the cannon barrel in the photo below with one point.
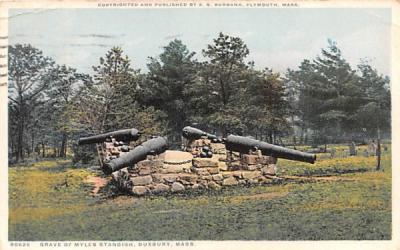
(153, 146)
(195, 133)
(244, 145)
(120, 135)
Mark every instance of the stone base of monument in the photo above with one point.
(177, 171)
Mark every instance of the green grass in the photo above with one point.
(352, 206)
(325, 165)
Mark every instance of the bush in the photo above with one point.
(85, 154)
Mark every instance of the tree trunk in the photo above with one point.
(378, 151)
(20, 142)
(43, 150)
(33, 141)
(55, 149)
(63, 145)
(302, 134)
(294, 131)
(12, 146)
(280, 141)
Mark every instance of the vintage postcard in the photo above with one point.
(199, 124)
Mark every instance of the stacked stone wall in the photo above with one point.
(154, 175)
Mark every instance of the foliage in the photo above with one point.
(335, 102)
(113, 80)
(61, 93)
(375, 105)
(29, 75)
(164, 88)
(324, 99)
(264, 105)
(223, 76)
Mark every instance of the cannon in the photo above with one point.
(244, 145)
(153, 146)
(119, 135)
(191, 133)
(199, 142)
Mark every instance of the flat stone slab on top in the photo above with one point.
(174, 158)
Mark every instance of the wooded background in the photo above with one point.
(322, 101)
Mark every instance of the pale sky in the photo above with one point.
(277, 38)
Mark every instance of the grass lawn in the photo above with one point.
(50, 200)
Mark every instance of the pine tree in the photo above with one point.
(223, 76)
(375, 101)
(265, 105)
(327, 94)
(169, 76)
(114, 84)
(63, 89)
(29, 75)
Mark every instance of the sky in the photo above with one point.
(278, 38)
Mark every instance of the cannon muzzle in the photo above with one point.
(120, 135)
(151, 147)
(195, 133)
(244, 145)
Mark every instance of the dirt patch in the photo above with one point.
(97, 182)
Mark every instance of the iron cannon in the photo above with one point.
(244, 145)
(192, 133)
(119, 135)
(153, 146)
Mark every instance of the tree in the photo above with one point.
(336, 102)
(292, 98)
(328, 94)
(115, 87)
(111, 100)
(223, 76)
(374, 112)
(373, 115)
(265, 104)
(61, 93)
(374, 109)
(336, 86)
(305, 103)
(29, 75)
(169, 75)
